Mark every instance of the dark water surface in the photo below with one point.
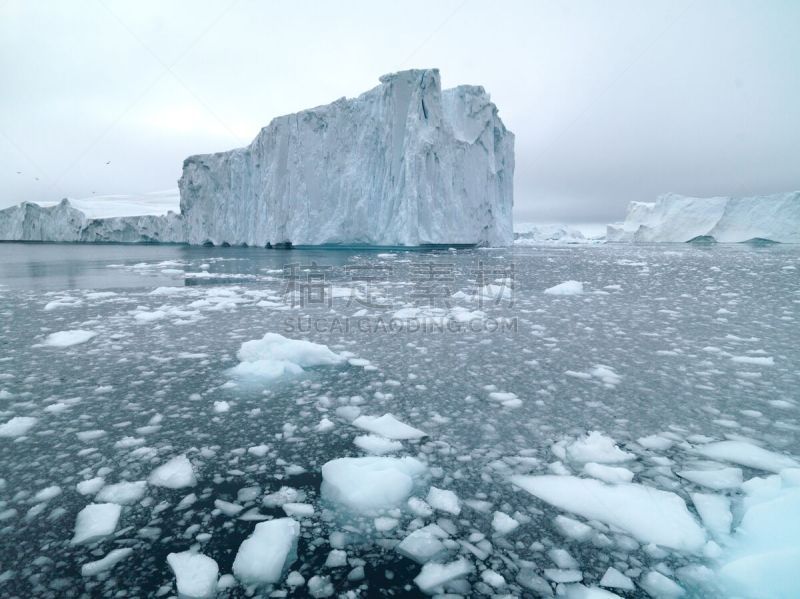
(168, 321)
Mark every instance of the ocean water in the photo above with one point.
(693, 344)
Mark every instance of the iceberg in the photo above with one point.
(532, 234)
(403, 164)
(676, 218)
(65, 222)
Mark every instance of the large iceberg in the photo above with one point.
(404, 164)
(676, 218)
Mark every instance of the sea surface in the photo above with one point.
(464, 345)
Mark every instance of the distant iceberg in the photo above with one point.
(676, 218)
(404, 164)
(531, 234)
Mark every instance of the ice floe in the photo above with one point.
(195, 574)
(370, 483)
(628, 506)
(17, 426)
(388, 426)
(68, 338)
(274, 356)
(95, 521)
(267, 553)
(176, 473)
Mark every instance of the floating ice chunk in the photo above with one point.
(723, 478)
(596, 447)
(419, 508)
(758, 360)
(563, 576)
(320, 586)
(563, 559)
(385, 523)
(444, 500)
(95, 521)
(47, 493)
(265, 555)
(220, 407)
(274, 356)
(337, 558)
(715, 512)
(123, 493)
(388, 426)
(325, 425)
(17, 426)
(91, 486)
(606, 374)
(283, 496)
(295, 579)
(628, 506)
(493, 579)
(228, 508)
(90, 435)
(762, 557)
(614, 579)
(424, 544)
(747, 454)
(572, 528)
(370, 483)
(659, 586)
(195, 574)
(298, 509)
(68, 338)
(579, 591)
(503, 524)
(106, 563)
(177, 473)
(506, 399)
(566, 288)
(656, 442)
(609, 474)
(376, 445)
(434, 576)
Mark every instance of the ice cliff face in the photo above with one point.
(676, 218)
(403, 164)
(63, 222)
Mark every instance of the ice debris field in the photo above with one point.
(176, 423)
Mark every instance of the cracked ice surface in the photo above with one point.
(610, 442)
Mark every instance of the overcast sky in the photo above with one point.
(610, 101)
